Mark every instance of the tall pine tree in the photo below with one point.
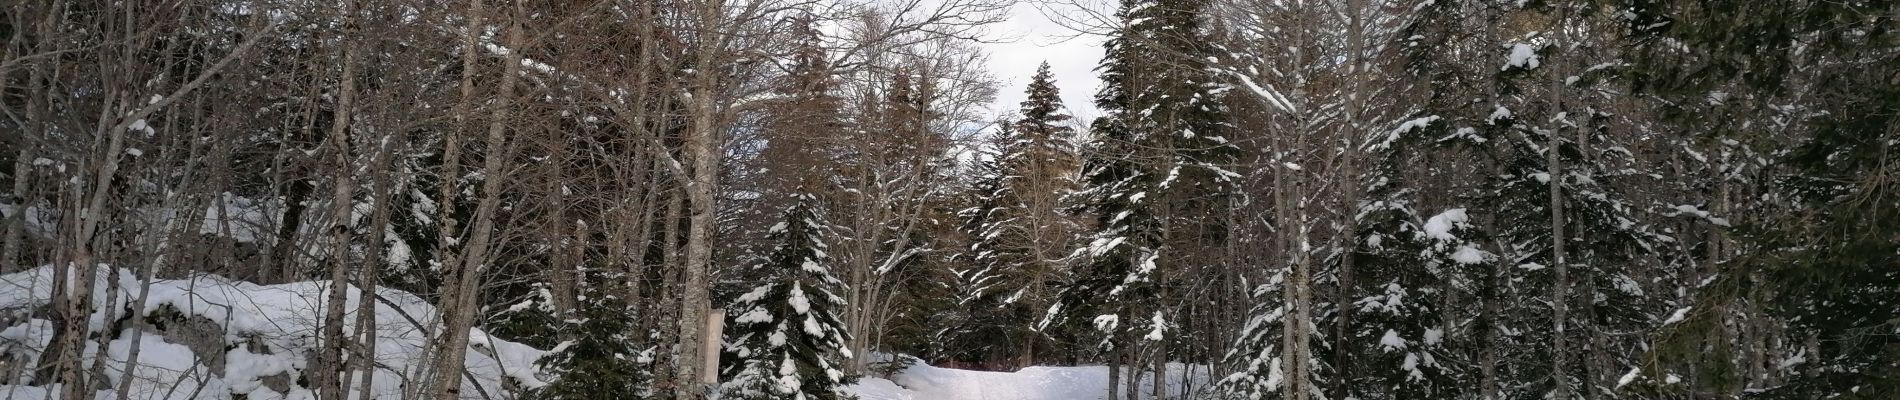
(1019, 235)
(1154, 179)
(784, 339)
(981, 321)
(1409, 337)
(1576, 242)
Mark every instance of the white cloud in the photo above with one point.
(1031, 38)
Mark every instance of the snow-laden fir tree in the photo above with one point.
(1110, 285)
(601, 357)
(1409, 337)
(1018, 234)
(1814, 82)
(1154, 179)
(801, 121)
(978, 324)
(783, 338)
(1044, 132)
(1574, 240)
(1414, 272)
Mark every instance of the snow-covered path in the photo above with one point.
(923, 382)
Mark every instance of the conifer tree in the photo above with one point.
(978, 325)
(1412, 269)
(1820, 255)
(1574, 238)
(602, 360)
(1112, 267)
(1044, 129)
(1111, 284)
(1017, 231)
(1153, 177)
(784, 339)
(802, 123)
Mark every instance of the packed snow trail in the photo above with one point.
(922, 382)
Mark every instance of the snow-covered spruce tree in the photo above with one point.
(1319, 82)
(1046, 138)
(1413, 273)
(783, 338)
(1044, 161)
(1040, 158)
(1819, 254)
(1406, 337)
(1574, 241)
(602, 358)
(800, 122)
(1111, 271)
(1258, 367)
(1017, 232)
(1111, 280)
(978, 325)
(1455, 74)
(1153, 179)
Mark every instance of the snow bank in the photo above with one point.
(923, 382)
(250, 340)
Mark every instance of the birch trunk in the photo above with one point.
(371, 275)
(331, 372)
(701, 144)
(459, 316)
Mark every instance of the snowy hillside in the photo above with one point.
(208, 337)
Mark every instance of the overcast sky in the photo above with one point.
(1031, 39)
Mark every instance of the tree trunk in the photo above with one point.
(1131, 383)
(702, 145)
(14, 240)
(371, 274)
(14, 232)
(671, 262)
(174, 230)
(1296, 326)
(1114, 373)
(447, 192)
(562, 235)
(1160, 378)
(330, 374)
(283, 256)
(1560, 290)
(459, 316)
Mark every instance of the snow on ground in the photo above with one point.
(923, 382)
(251, 340)
(225, 338)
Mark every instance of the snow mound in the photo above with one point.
(208, 337)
